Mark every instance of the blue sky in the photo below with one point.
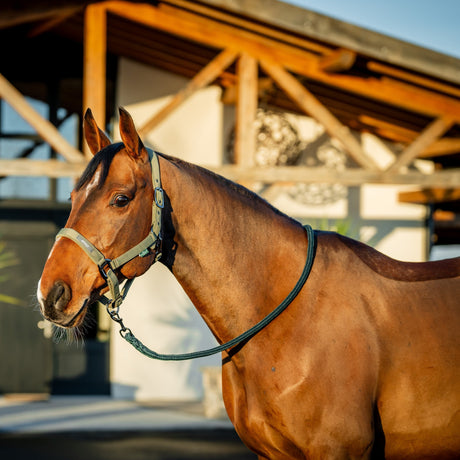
(433, 24)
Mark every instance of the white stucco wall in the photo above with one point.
(157, 310)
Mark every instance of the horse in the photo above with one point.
(363, 363)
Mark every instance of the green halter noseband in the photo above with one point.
(151, 244)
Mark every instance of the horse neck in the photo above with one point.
(230, 246)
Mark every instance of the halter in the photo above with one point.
(151, 244)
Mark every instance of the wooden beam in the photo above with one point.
(94, 65)
(205, 30)
(310, 105)
(432, 132)
(349, 177)
(449, 179)
(338, 61)
(413, 78)
(203, 78)
(430, 196)
(300, 61)
(235, 20)
(36, 168)
(389, 130)
(52, 22)
(43, 127)
(440, 215)
(445, 146)
(13, 15)
(246, 109)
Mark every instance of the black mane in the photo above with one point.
(104, 157)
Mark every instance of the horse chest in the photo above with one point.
(277, 416)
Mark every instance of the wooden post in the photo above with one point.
(94, 65)
(246, 108)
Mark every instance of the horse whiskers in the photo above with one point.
(74, 335)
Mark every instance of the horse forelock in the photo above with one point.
(104, 158)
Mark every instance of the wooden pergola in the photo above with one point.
(347, 78)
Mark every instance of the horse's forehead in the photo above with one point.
(94, 182)
(121, 170)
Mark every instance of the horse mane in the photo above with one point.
(239, 190)
(104, 157)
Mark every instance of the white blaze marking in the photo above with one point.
(94, 183)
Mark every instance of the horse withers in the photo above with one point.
(363, 363)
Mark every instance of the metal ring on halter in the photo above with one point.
(102, 267)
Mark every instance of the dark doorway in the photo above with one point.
(32, 360)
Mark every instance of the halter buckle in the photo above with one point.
(158, 195)
(102, 268)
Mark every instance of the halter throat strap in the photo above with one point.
(151, 244)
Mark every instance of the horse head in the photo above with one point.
(112, 211)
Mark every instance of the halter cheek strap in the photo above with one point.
(149, 245)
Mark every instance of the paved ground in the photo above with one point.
(169, 445)
(82, 428)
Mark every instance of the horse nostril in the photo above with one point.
(59, 296)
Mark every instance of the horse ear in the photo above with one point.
(129, 136)
(95, 137)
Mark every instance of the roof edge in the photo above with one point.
(342, 34)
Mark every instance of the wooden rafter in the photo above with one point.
(338, 61)
(43, 127)
(445, 146)
(432, 132)
(430, 196)
(294, 58)
(203, 78)
(388, 130)
(243, 23)
(286, 58)
(49, 23)
(307, 102)
(412, 78)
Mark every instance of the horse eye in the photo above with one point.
(120, 201)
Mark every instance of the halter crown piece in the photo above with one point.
(151, 244)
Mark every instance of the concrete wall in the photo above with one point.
(157, 310)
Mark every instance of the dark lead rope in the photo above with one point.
(138, 345)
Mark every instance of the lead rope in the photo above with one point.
(127, 334)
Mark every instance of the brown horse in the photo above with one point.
(364, 363)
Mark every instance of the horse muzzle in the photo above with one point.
(55, 305)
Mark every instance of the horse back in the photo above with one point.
(402, 271)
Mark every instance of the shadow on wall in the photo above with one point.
(161, 315)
